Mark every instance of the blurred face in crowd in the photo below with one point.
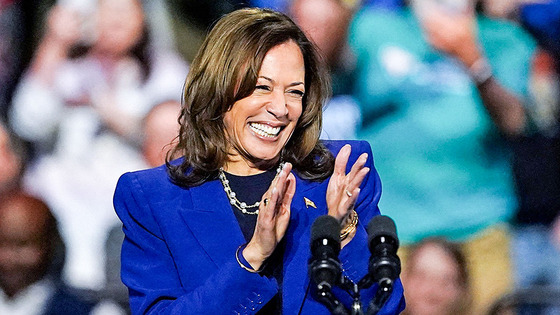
(24, 243)
(260, 125)
(325, 22)
(432, 282)
(160, 128)
(120, 25)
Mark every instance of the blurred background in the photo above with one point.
(458, 98)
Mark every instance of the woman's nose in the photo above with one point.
(277, 105)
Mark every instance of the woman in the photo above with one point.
(226, 228)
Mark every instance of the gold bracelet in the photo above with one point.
(241, 264)
(350, 227)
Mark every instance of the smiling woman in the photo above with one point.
(227, 70)
(224, 229)
(259, 125)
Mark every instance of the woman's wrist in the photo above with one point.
(250, 255)
(349, 228)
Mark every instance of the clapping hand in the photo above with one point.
(273, 218)
(343, 189)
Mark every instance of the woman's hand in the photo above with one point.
(343, 189)
(273, 218)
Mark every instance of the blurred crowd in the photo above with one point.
(458, 98)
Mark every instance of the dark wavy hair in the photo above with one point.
(224, 71)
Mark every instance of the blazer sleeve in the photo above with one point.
(352, 255)
(150, 273)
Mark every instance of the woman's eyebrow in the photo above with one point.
(272, 81)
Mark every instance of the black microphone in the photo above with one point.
(384, 265)
(324, 267)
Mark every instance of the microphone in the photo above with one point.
(384, 265)
(324, 267)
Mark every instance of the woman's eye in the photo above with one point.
(262, 87)
(297, 93)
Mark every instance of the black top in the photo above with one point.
(536, 169)
(250, 189)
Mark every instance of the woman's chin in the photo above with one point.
(265, 161)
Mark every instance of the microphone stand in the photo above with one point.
(383, 292)
(328, 299)
(354, 291)
(381, 295)
(325, 296)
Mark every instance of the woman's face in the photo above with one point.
(119, 25)
(261, 124)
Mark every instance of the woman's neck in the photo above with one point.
(241, 167)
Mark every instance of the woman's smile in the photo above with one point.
(265, 130)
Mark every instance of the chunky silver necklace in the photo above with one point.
(232, 196)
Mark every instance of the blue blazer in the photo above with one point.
(178, 256)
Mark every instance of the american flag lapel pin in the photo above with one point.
(309, 203)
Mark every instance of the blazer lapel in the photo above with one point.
(212, 222)
(296, 279)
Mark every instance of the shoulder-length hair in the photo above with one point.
(224, 71)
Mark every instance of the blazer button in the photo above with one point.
(258, 298)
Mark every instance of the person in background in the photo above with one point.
(436, 279)
(160, 128)
(12, 160)
(326, 23)
(536, 241)
(226, 228)
(441, 87)
(29, 241)
(80, 104)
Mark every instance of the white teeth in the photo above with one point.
(264, 130)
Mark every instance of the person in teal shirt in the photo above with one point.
(441, 89)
